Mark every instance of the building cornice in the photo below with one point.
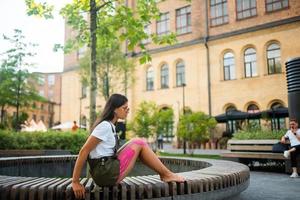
(222, 36)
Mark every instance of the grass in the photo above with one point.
(189, 155)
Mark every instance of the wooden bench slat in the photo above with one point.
(277, 156)
(250, 148)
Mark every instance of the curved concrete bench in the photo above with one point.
(214, 179)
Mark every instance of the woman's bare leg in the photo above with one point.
(149, 158)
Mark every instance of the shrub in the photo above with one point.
(258, 134)
(43, 140)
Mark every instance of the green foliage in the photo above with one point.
(195, 126)
(43, 140)
(149, 120)
(258, 134)
(143, 123)
(17, 85)
(115, 20)
(163, 120)
(112, 66)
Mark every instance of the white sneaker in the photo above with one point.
(286, 154)
(294, 175)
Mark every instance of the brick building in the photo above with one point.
(229, 55)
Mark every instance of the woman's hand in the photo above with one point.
(78, 190)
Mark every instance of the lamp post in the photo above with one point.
(183, 105)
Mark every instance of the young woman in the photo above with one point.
(100, 148)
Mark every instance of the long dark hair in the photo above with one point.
(113, 102)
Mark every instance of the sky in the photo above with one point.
(37, 30)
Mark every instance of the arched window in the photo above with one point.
(273, 58)
(230, 108)
(231, 125)
(150, 79)
(164, 76)
(229, 68)
(180, 73)
(252, 108)
(253, 123)
(277, 122)
(250, 62)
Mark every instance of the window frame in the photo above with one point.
(163, 23)
(274, 2)
(252, 63)
(242, 11)
(164, 76)
(187, 28)
(224, 17)
(273, 59)
(150, 80)
(180, 75)
(229, 67)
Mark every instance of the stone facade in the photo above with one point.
(202, 50)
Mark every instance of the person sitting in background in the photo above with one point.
(74, 127)
(294, 137)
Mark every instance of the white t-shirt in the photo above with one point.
(293, 139)
(104, 132)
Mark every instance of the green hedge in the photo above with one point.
(43, 140)
(258, 134)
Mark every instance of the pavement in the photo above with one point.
(263, 185)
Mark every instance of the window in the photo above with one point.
(183, 20)
(164, 76)
(81, 52)
(163, 24)
(147, 30)
(273, 5)
(229, 68)
(41, 79)
(245, 8)
(42, 93)
(253, 123)
(149, 79)
(252, 108)
(180, 73)
(218, 12)
(42, 106)
(277, 123)
(51, 95)
(273, 59)
(51, 79)
(231, 125)
(250, 62)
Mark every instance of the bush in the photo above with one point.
(258, 134)
(43, 140)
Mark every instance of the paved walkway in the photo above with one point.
(263, 185)
(270, 186)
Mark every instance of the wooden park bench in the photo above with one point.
(249, 151)
(215, 179)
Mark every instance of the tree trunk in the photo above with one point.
(93, 65)
(2, 114)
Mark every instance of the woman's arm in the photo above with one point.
(89, 145)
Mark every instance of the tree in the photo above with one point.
(164, 121)
(144, 124)
(113, 69)
(107, 19)
(16, 83)
(195, 126)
